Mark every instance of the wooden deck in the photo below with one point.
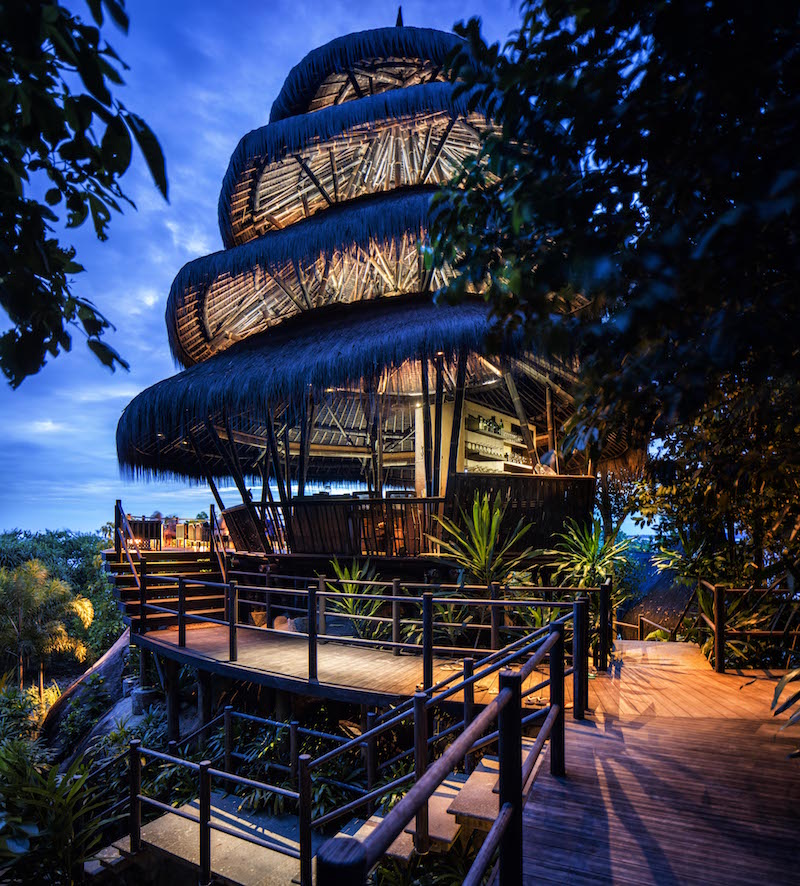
(273, 658)
(679, 776)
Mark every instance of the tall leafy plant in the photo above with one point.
(478, 546)
(583, 556)
(358, 611)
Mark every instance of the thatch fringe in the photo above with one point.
(271, 143)
(335, 347)
(381, 219)
(342, 53)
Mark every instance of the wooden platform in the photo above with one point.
(277, 659)
(680, 776)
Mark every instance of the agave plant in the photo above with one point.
(583, 557)
(360, 610)
(477, 547)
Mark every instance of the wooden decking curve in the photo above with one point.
(679, 776)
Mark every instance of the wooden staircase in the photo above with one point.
(193, 566)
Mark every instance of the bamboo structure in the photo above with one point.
(311, 346)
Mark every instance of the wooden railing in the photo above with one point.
(347, 862)
(125, 542)
(319, 592)
(205, 774)
(217, 543)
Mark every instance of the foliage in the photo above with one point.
(793, 699)
(18, 710)
(637, 208)
(348, 576)
(36, 616)
(477, 547)
(65, 135)
(74, 558)
(48, 821)
(583, 557)
(86, 711)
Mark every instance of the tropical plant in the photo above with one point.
(48, 820)
(358, 611)
(477, 546)
(36, 617)
(62, 148)
(583, 557)
(793, 699)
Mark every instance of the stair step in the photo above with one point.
(402, 849)
(443, 828)
(477, 805)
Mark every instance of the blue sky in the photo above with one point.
(202, 74)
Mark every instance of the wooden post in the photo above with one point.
(427, 441)
(143, 597)
(510, 764)
(204, 802)
(342, 861)
(171, 671)
(276, 466)
(455, 428)
(181, 612)
(395, 614)
(522, 417)
(117, 530)
(135, 804)
(557, 764)
(323, 627)
(578, 654)
(551, 427)
(494, 616)
(228, 728)
(719, 629)
(233, 617)
(427, 640)
(372, 759)
(312, 634)
(469, 707)
(422, 843)
(304, 818)
(640, 630)
(603, 626)
(294, 749)
(437, 428)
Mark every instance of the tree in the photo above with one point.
(66, 136)
(638, 206)
(35, 611)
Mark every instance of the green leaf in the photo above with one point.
(150, 148)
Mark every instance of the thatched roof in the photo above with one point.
(237, 292)
(343, 54)
(343, 354)
(346, 132)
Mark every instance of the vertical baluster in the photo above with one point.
(578, 659)
(204, 803)
(422, 842)
(396, 614)
(557, 766)
(304, 818)
(233, 613)
(510, 763)
(323, 627)
(312, 633)
(427, 640)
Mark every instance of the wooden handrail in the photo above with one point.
(125, 550)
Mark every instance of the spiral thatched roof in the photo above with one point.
(390, 58)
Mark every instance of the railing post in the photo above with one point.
(181, 612)
(427, 640)
(312, 634)
(294, 749)
(719, 629)
(227, 721)
(395, 614)
(578, 659)
(204, 802)
(117, 530)
(233, 613)
(304, 818)
(585, 650)
(557, 762)
(509, 724)
(143, 596)
(603, 629)
(422, 843)
(469, 706)
(494, 616)
(135, 805)
(372, 759)
(267, 599)
(342, 861)
(640, 629)
(321, 605)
